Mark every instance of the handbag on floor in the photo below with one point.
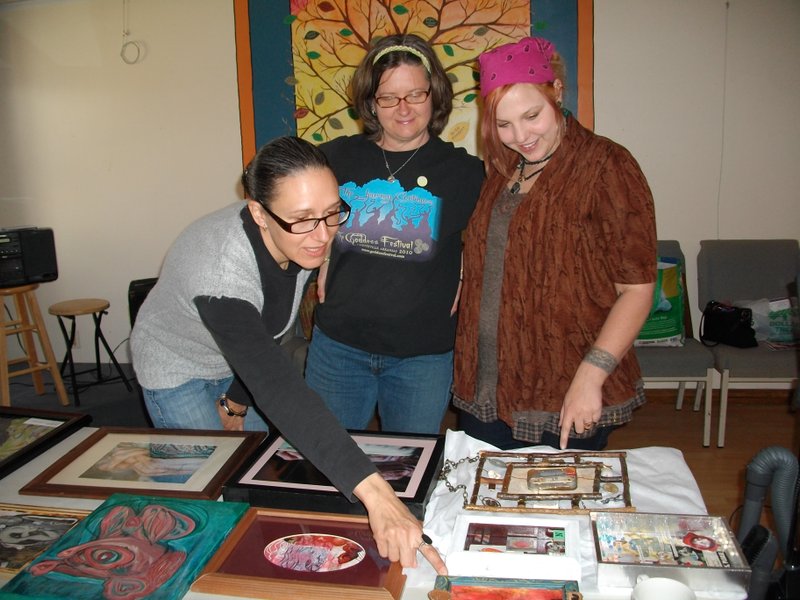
(727, 324)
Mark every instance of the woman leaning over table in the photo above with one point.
(559, 267)
(205, 343)
(385, 331)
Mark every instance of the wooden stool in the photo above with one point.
(26, 307)
(69, 309)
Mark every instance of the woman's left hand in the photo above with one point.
(397, 533)
(583, 402)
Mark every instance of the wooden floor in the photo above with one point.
(756, 419)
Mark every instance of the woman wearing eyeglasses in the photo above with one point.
(385, 329)
(206, 338)
(205, 342)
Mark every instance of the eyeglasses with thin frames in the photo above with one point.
(417, 97)
(309, 225)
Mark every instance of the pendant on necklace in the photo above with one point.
(390, 179)
(515, 187)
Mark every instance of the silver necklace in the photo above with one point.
(391, 178)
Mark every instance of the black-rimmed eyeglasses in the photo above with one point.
(413, 98)
(309, 225)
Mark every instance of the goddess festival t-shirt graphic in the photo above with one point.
(388, 221)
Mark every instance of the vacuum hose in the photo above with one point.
(777, 466)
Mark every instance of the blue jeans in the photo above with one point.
(193, 405)
(411, 393)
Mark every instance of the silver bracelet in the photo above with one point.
(601, 359)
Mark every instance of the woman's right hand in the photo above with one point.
(231, 422)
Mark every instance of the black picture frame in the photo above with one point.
(62, 425)
(267, 480)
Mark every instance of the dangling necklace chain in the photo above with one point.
(391, 177)
(522, 177)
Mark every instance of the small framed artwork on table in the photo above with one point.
(26, 433)
(27, 531)
(489, 588)
(286, 555)
(164, 462)
(542, 546)
(281, 477)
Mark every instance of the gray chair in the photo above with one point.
(737, 270)
(689, 363)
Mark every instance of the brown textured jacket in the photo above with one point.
(587, 223)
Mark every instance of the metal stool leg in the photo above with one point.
(69, 338)
(98, 335)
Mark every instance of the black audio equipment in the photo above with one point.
(27, 255)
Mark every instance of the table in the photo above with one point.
(660, 481)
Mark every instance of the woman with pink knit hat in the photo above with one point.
(559, 267)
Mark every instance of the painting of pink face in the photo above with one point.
(314, 552)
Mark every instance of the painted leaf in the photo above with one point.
(470, 97)
(335, 123)
(317, 137)
(313, 55)
(319, 98)
(458, 131)
(430, 22)
(400, 10)
(326, 7)
(300, 113)
(351, 112)
(481, 31)
(345, 32)
(448, 49)
(289, 19)
(311, 35)
(291, 80)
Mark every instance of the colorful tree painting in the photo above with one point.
(330, 37)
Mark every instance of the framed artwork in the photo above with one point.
(286, 555)
(488, 588)
(550, 482)
(699, 550)
(130, 547)
(507, 545)
(26, 433)
(166, 462)
(26, 531)
(281, 477)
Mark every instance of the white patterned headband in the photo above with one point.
(424, 59)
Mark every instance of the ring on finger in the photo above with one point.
(426, 541)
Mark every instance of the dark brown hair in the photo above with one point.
(368, 75)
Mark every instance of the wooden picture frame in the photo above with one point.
(493, 588)
(580, 482)
(26, 433)
(130, 547)
(244, 566)
(279, 476)
(46, 526)
(165, 462)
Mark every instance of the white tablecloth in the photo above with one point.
(660, 481)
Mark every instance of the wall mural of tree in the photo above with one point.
(296, 57)
(330, 38)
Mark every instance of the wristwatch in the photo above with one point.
(223, 402)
